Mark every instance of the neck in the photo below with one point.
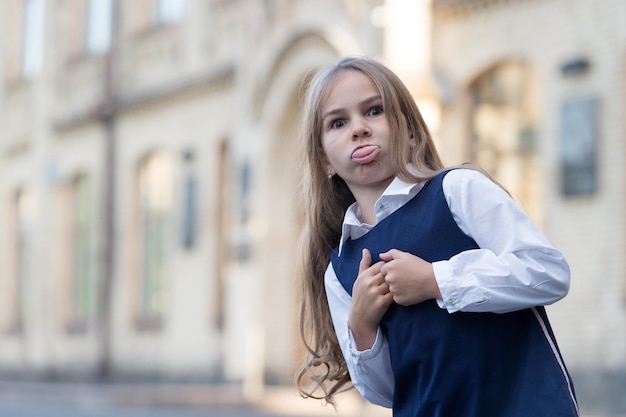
(366, 199)
(368, 213)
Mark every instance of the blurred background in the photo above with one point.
(148, 185)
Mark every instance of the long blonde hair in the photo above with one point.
(326, 201)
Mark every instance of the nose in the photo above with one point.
(360, 128)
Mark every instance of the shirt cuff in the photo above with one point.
(447, 287)
(358, 355)
(457, 296)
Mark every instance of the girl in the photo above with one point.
(423, 286)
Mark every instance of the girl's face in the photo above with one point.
(356, 134)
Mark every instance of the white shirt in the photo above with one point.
(515, 268)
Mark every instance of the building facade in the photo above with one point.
(535, 92)
(148, 195)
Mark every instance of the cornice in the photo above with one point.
(216, 79)
(443, 9)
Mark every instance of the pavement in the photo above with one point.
(265, 401)
(275, 400)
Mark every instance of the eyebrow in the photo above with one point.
(368, 101)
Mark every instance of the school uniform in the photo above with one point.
(487, 348)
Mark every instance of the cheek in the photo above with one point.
(330, 157)
(325, 151)
(384, 126)
(328, 142)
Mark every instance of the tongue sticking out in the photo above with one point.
(365, 154)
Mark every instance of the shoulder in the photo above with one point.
(466, 183)
(460, 177)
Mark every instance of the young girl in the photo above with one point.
(423, 286)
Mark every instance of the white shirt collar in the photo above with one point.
(398, 193)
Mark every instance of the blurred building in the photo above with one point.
(148, 209)
(534, 91)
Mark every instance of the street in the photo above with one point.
(22, 399)
(276, 404)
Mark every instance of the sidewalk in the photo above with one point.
(282, 400)
(277, 400)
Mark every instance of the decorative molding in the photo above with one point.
(215, 79)
(449, 9)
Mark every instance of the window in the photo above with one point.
(155, 204)
(82, 287)
(88, 26)
(99, 26)
(579, 120)
(189, 201)
(169, 11)
(24, 38)
(32, 54)
(503, 129)
(22, 214)
(147, 13)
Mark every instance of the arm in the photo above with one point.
(515, 268)
(370, 369)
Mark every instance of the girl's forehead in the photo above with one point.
(347, 84)
(350, 78)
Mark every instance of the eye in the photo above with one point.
(336, 124)
(375, 111)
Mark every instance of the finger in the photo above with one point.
(390, 255)
(366, 260)
(388, 298)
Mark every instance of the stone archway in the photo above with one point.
(280, 117)
(503, 125)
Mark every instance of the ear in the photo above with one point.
(330, 171)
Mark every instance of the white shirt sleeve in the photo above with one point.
(370, 370)
(515, 268)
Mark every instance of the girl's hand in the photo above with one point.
(411, 279)
(370, 300)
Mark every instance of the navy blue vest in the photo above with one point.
(460, 364)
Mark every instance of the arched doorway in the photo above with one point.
(280, 117)
(503, 129)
